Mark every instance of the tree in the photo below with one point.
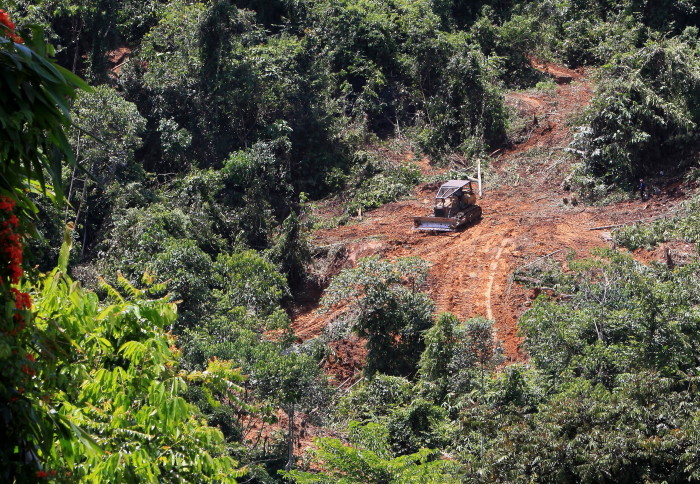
(32, 141)
(246, 280)
(111, 372)
(645, 112)
(458, 355)
(368, 459)
(387, 310)
(457, 359)
(104, 137)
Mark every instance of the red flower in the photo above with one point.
(22, 299)
(31, 357)
(6, 203)
(42, 474)
(5, 20)
(10, 245)
(10, 26)
(27, 371)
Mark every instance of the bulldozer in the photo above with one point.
(455, 207)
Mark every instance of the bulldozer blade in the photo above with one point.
(435, 224)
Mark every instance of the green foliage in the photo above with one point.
(666, 16)
(110, 371)
(247, 280)
(584, 33)
(276, 374)
(588, 433)
(624, 318)
(369, 460)
(685, 226)
(378, 185)
(292, 249)
(33, 115)
(42, 250)
(644, 113)
(508, 44)
(456, 355)
(464, 110)
(376, 398)
(162, 80)
(279, 377)
(104, 138)
(546, 86)
(171, 48)
(413, 427)
(188, 270)
(516, 387)
(411, 422)
(389, 314)
(371, 44)
(105, 135)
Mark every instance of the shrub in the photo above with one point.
(388, 186)
(388, 310)
(644, 114)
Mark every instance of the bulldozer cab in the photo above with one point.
(452, 197)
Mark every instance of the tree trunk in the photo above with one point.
(290, 440)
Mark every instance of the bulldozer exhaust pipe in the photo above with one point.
(478, 175)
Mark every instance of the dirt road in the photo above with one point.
(471, 273)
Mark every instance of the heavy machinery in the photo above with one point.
(455, 207)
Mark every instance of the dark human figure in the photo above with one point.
(642, 189)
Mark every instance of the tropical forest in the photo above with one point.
(349, 241)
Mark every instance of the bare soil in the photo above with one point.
(471, 273)
(116, 59)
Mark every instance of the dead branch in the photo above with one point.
(537, 260)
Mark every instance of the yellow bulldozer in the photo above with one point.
(455, 207)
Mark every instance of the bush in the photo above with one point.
(388, 310)
(388, 186)
(644, 114)
(685, 226)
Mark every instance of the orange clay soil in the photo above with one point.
(471, 273)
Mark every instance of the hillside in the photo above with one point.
(472, 270)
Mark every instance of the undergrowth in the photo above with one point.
(685, 227)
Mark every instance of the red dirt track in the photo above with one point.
(471, 273)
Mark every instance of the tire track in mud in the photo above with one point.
(492, 277)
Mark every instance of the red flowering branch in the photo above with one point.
(11, 273)
(9, 28)
(10, 245)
